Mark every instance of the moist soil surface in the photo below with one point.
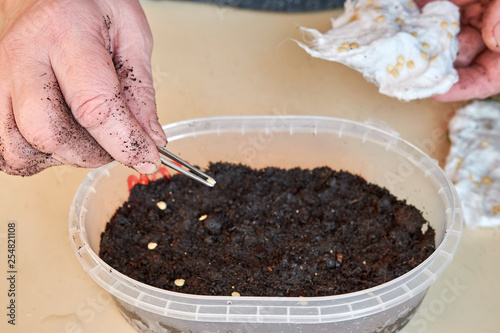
(267, 232)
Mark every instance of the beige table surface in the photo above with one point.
(211, 61)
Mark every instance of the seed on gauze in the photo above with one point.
(346, 46)
(487, 180)
(385, 29)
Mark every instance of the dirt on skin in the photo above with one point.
(268, 232)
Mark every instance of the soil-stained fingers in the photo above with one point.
(88, 79)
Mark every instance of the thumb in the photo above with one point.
(491, 26)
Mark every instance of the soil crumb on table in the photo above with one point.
(265, 232)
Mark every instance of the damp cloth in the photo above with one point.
(406, 51)
(473, 163)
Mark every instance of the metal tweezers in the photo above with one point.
(192, 172)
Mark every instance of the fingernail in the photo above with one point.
(156, 127)
(146, 168)
(496, 33)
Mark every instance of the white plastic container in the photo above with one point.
(379, 156)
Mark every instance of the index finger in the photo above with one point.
(91, 87)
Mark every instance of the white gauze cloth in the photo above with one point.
(473, 163)
(408, 53)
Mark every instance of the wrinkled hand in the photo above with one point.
(478, 61)
(76, 86)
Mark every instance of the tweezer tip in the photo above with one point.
(211, 181)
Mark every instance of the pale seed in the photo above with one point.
(381, 18)
(455, 25)
(203, 217)
(152, 245)
(410, 64)
(444, 25)
(399, 20)
(414, 34)
(424, 55)
(399, 67)
(179, 282)
(401, 59)
(162, 205)
(425, 46)
(485, 144)
(235, 294)
(487, 180)
(354, 45)
(459, 163)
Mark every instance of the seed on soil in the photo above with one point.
(235, 294)
(179, 282)
(152, 245)
(162, 205)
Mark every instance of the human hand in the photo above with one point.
(478, 61)
(76, 86)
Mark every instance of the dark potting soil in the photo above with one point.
(268, 232)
